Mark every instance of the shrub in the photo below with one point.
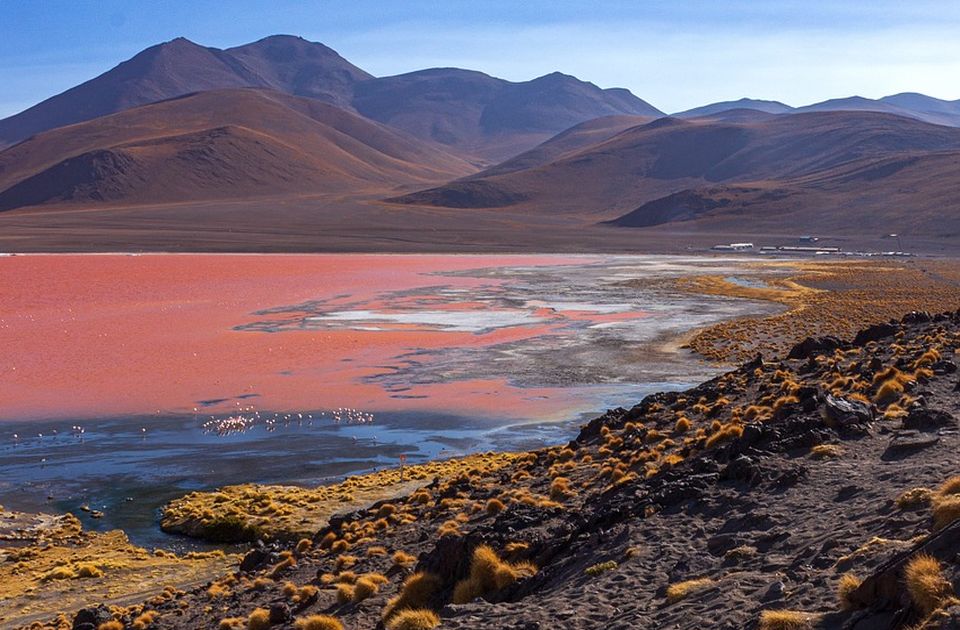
(364, 588)
(344, 593)
(889, 392)
(914, 498)
(927, 586)
(682, 426)
(600, 567)
(946, 503)
(489, 573)
(560, 489)
(259, 619)
(494, 506)
(113, 624)
(414, 620)
(403, 559)
(230, 623)
(144, 620)
(318, 622)
(847, 585)
(416, 593)
(678, 591)
(304, 546)
(87, 570)
(784, 620)
(823, 451)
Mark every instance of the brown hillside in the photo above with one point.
(861, 163)
(217, 145)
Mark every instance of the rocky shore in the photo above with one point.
(816, 490)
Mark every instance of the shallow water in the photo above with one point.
(128, 378)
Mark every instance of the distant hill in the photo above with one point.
(477, 115)
(178, 67)
(219, 144)
(678, 170)
(489, 117)
(770, 107)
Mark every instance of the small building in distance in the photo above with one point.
(733, 247)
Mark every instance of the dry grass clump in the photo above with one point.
(926, 584)
(403, 559)
(914, 498)
(422, 619)
(824, 451)
(785, 620)
(318, 622)
(946, 503)
(560, 489)
(415, 594)
(494, 506)
(259, 619)
(488, 573)
(367, 586)
(113, 624)
(726, 432)
(680, 590)
(845, 587)
(344, 593)
(144, 620)
(230, 623)
(601, 567)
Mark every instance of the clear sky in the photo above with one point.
(675, 54)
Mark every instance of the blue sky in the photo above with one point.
(675, 54)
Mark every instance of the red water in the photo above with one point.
(102, 335)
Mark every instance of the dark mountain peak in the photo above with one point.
(286, 48)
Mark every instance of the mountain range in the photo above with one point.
(283, 118)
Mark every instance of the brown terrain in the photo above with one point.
(283, 145)
(813, 490)
(219, 144)
(832, 172)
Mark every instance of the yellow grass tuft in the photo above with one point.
(403, 559)
(414, 620)
(914, 498)
(784, 620)
(927, 586)
(318, 622)
(824, 451)
(680, 590)
(415, 594)
(488, 573)
(259, 619)
(365, 587)
(344, 593)
(845, 587)
(946, 503)
(113, 624)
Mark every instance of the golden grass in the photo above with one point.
(318, 622)
(489, 573)
(914, 498)
(946, 503)
(825, 451)
(861, 293)
(601, 567)
(785, 620)
(926, 584)
(414, 620)
(845, 587)
(246, 511)
(680, 590)
(111, 625)
(415, 594)
(259, 619)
